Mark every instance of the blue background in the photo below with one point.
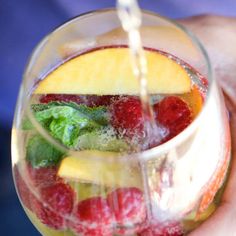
(23, 23)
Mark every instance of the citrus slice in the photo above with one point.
(108, 71)
(194, 100)
(103, 168)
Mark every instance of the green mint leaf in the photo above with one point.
(40, 153)
(67, 121)
(97, 114)
(42, 106)
(64, 131)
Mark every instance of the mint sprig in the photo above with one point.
(77, 126)
(42, 154)
(67, 121)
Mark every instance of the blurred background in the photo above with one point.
(23, 24)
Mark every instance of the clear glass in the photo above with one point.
(180, 180)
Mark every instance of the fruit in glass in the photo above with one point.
(84, 162)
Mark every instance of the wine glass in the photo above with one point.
(81, 164)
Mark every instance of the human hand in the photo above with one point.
(218, 35)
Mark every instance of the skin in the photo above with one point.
(218, 35)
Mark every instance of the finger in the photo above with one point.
(222, 222)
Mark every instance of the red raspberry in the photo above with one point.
(56, 203)
(59, 197)
(127, 205)
(43, 176)
(92, 217)
(173, 113)
(163, 229)
(60, 98)
(23, 190)
(95, 101)
(126, 116)
(47, 216)
(89, 100)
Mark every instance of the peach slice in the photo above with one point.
(109, 71)
(103, 168)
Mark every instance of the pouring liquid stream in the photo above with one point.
(131, 20)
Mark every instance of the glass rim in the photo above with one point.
(142, 155)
